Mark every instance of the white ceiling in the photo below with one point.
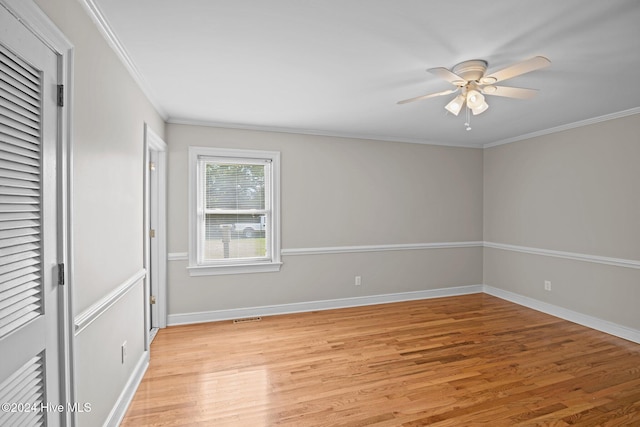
(338, 67)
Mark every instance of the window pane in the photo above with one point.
(234, 186)
(235, 236)
(230, 187)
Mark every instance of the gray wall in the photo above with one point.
(575, 191)
(340, 192)
(109, 112)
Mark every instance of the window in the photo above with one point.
(233, 211)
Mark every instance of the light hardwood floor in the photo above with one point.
(456, 361)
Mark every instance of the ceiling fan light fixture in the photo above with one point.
(474, 99)
(455, 105)
(480, 109)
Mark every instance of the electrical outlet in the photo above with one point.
(358, 280)
(547, 285)
(123, 351)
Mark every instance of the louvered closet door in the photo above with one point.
(29, 312)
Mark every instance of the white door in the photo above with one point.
(30, 321)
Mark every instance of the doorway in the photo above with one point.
(155, 232)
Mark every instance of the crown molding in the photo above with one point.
(314, 132)
(107, 32)
(581, 123)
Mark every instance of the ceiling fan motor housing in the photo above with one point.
(472, 70)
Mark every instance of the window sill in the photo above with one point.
(214, 270)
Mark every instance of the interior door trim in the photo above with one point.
(157, 268)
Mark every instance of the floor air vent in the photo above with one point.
(247, 319)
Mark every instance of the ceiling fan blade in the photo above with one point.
(509, 92)
(517, 69)
(447, 75)
(431, 95)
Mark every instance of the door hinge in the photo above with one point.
(152, 299)
(60, 95)
(61, 274)
(152, 233)
(152, 166)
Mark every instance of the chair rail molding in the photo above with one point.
(84, 319)
(183, 256)
(618, 262)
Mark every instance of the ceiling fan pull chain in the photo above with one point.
(468, 122)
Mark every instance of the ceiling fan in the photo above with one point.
(473, 83)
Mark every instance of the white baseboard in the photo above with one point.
(270, 310)
(124, 400)
(566, 314)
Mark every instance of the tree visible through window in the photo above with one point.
(234, 215)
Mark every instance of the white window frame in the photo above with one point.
(198, 267)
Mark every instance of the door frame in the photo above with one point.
(155, 214)
(36, 21)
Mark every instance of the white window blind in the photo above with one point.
(20, 239)
(236, 211)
